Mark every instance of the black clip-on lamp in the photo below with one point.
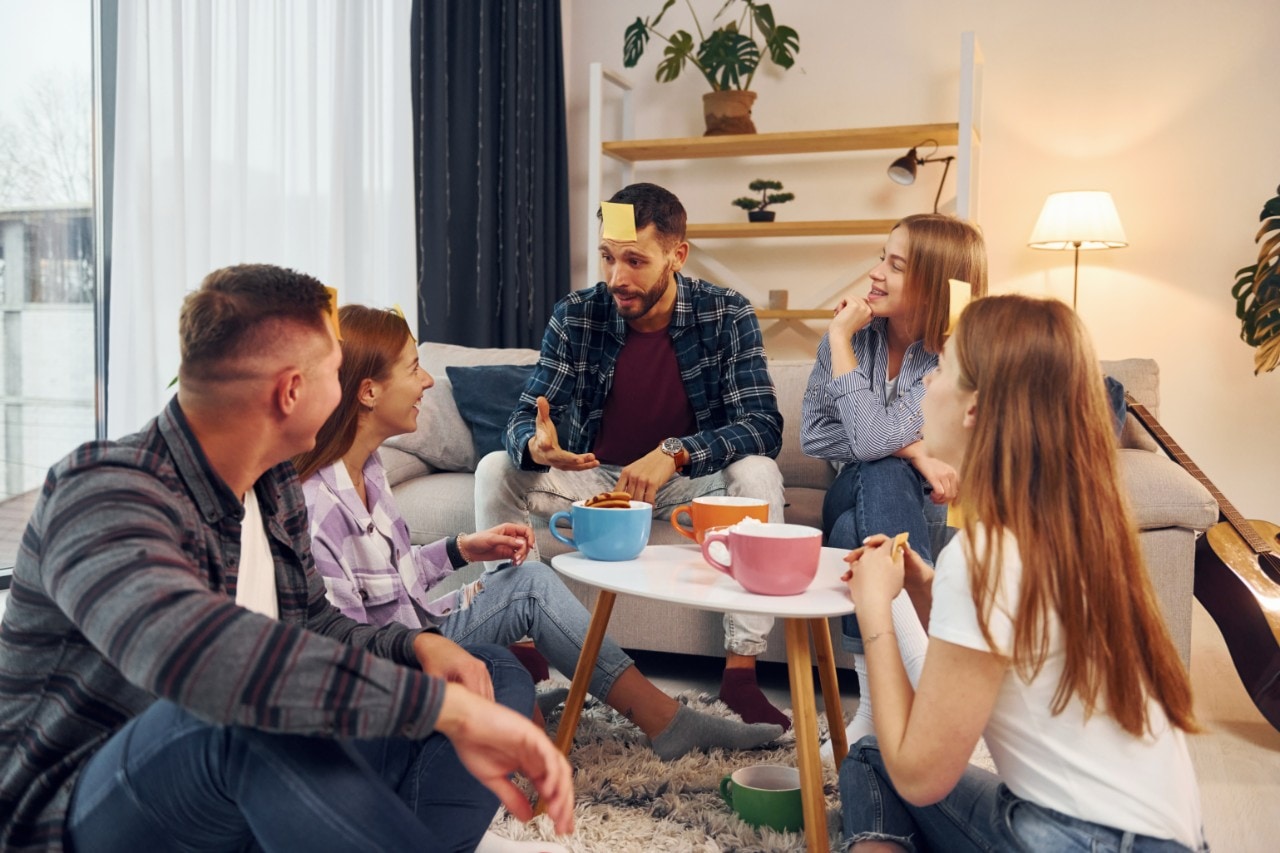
(903, 170)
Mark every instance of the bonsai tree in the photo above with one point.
(726, 57)
(767, 197)
(1257, 292)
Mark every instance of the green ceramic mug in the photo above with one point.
(765, 795)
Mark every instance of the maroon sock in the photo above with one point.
(532, 660)
(740, 692)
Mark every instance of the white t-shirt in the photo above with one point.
(256, 579)
(1090, 770)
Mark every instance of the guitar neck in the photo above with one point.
(1166, 442)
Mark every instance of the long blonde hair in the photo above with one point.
(940, 247)
(1041, 464)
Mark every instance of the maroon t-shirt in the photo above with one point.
(647, 401)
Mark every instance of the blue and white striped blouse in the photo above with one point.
(848, 418)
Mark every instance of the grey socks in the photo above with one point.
(690, 730)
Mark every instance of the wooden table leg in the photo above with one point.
(582, 673)
(821, 631)
(805, 719)
(582, 678)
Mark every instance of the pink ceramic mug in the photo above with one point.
(767, 559)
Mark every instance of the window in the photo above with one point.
(48, 268)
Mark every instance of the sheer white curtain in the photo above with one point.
(254, 131)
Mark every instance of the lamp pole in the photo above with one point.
(1075, 275)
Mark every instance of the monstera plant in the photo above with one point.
(727, 57)
(1257, 292)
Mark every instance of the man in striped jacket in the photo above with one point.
(171, 674)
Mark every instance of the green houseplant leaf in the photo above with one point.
(728, 56)
(1257, 292)
(634, 42)
(679, 50)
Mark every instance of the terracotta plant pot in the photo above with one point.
(728, 111)
(761, 215)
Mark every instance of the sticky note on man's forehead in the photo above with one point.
(619, 221)
(961, 294)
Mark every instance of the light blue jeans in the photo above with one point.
(505, 493)
(530, 600)
(170, 781)
(980, 814)
(883, 496)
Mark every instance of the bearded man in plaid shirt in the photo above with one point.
(659, 383)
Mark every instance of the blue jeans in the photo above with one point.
(980, 814)
(506, 493)
(170, 781)
(882, 496)
(531, 600)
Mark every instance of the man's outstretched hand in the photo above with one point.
(544, 447)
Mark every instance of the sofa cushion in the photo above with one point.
(485, 395)
(790, 377)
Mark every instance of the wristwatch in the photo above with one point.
(674, 448)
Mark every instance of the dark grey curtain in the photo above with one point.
(492, 173)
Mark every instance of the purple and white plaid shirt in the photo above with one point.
(371, 571)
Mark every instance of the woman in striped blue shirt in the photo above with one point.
(862, 409)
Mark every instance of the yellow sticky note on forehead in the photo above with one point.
(619, 221)
(961, 294)
(333, 311)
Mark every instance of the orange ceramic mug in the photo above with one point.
(717, 511)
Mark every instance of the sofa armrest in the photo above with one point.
(1163, 494)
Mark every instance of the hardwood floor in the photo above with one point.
(1238, 758)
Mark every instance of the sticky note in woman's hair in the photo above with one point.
(399, 312)
(619, 221)
(961, 294)
(333, 310)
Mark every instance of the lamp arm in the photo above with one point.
(946, 165)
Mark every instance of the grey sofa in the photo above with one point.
(431, 473)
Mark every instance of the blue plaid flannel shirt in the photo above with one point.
(720, 353)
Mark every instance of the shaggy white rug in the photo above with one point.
(628, 801)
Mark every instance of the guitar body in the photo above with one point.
(1240, 589)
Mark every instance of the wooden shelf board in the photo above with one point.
(793, 314)
(813, 228)
(796, 142)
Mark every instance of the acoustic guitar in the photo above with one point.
(1237, 581)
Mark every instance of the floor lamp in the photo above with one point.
(1078, 220)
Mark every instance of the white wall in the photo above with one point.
(1171, 106)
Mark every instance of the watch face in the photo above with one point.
(672, 446)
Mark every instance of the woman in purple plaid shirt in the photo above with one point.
(373, 573)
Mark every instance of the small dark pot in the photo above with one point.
(761, 215)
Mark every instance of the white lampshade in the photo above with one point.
(1085, 220)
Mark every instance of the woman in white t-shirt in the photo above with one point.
(1045, 634)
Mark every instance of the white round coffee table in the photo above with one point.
(678, 574)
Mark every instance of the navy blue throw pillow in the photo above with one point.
(1115, 396)
(486, 395)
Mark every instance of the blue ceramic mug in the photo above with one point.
(606, 534)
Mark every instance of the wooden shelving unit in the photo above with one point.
(791, 142)
(964, 135)
(793, 313)
(812, 228)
